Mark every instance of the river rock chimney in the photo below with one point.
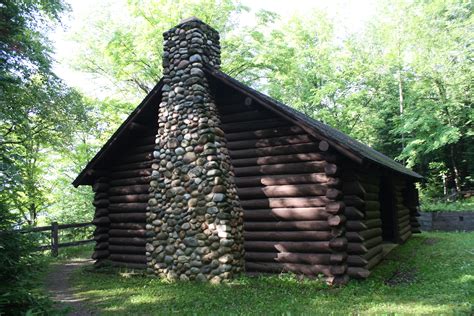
(194, 217)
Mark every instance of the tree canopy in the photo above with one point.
(403, 85)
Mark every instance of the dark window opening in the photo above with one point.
(387, 209)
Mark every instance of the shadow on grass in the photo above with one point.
(441, 282)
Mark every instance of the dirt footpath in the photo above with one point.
(58, 284)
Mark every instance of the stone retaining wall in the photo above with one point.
(447, 221)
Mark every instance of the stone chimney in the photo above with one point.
(194, 218)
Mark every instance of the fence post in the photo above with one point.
(54, 239)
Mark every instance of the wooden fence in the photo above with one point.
(54, 229)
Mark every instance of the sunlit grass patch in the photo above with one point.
(440, 275)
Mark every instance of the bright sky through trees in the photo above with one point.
(351, 15)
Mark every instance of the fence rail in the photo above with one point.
(54, 228)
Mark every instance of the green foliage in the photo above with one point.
(465, 205)
(431, 274)
(19, 273)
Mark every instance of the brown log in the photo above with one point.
(286, 179)
(311, 270)
(100, 195)
(353, 188)
(144, 140)
(373, 223)
(269, 142)
(127, 233)
(269, 160)
(100, 254)
(323, 145)
(130, 158)
(293, 257)
(375, 260)
(316, 213)
(370, 243)
(335, 207)
(371, 187)
(264, 133)
(97, 172)
(130, 181)
(127, 207)
(372, 215)
(245, 116)
(101, 237)
(353, 213)
(372, 206)
(289, 236)
(333, 194)
(115, 249)
(287, 168)
(120, 167)
(133, 226)
(404, 229)
(287, 226)
(100, 230)
(363, 235)
(336, 220)
(128, 217)
(128, 258)
(273, 151)
(128, 265)
(298, 246)
(129, 198)
(99, 212)
(254, 125)
(331, 169)
(356, 248)
(405, 236)
(142, 149)
(101, 221)
(373, 252)
(136, 241)
(131, 189)
(100, 203)
(285, 202)
(356, 261)
(131, 173)
(358, 273)
(140, 128)
(100, 187)
(355, 225)
(354, 200)
(101, 246)
(282, 191)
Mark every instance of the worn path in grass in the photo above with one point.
(59, 285)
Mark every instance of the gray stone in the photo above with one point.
(218, 197)
(179, 151)
(190, 242)
(197, 72)
(195, 58)
(189, 157)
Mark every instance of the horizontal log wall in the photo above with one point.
(364, 224)
(290, 193)
(412, 202)
(121, 202)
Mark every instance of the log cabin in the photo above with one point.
(208, 178)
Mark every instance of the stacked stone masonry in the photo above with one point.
(195, 216)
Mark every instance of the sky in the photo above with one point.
(352, 13)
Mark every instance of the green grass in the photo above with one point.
(466, 205)
(435, 276)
